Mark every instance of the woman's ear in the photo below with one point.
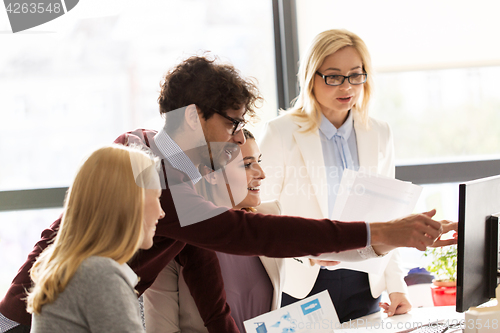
(191, 117)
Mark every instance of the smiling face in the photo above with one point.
(152, 212)
(336, 101)
(217, 130)
(251, 159)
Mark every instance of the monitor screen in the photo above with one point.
(477, 262)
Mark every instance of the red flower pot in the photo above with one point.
(442, 296)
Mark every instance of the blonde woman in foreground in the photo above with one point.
(82, 282)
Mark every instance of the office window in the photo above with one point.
(436, 70)
(19, 231)
(68, 92)
(75, 84)
(443, 114)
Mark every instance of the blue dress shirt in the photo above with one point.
(333, 159)
(337, 158)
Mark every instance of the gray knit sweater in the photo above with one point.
(99, 298)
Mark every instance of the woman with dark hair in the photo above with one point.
(253, 285)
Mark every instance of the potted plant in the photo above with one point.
(444, 267)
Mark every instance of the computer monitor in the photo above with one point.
(477, 262)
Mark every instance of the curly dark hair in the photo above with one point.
(209, 85)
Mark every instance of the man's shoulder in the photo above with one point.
(145, 137)
(137, 136)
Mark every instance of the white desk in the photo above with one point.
(379, 322)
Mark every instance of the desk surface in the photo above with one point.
(379, 322)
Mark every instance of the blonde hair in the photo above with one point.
(324, 44)
(103, 216)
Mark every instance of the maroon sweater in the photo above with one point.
(234, 231)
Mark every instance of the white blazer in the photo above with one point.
(294, 166)
(169, 306)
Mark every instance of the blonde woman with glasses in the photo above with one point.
(82, 282)
(327, 131)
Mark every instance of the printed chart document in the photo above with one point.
(372, 198)
(312, 314)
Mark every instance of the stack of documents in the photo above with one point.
(312, 314)
(372, 198)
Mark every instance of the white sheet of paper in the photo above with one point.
(312, 314)
(372, 198)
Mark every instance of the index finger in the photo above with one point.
(432, 223)
(449, 226)
(444, 242)
(328, 263)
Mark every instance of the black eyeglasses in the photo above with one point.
(337, 80)
(237, 124)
